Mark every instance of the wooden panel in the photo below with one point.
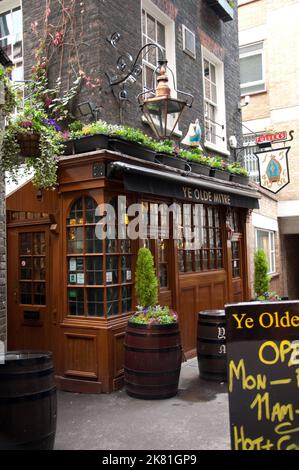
(24, 200)
(80, 355)
(237, 290)
(33, 338)
(219, 294)
(119, 354)
(197, 292)
(204, 297)
(165, 298)
(187, 310)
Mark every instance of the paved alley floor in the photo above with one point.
(196, 419)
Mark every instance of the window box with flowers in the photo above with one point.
(218, 169)
(82, 139)
(132, 142)
(197, 162)
(166, 155)
(238, 174)
(224, 9)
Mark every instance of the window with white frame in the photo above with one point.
(249, 157)
(152, 31)
(214, 102)
(265, 240)
(252, 68)
(159, 29)
(11, 35)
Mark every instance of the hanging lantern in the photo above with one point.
(162, 112)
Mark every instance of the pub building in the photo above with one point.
(72, 293)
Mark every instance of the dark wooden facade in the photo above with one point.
(54, 263)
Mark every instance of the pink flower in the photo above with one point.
(58, 38)
(48, 101)
(34, 27)
(66, 135)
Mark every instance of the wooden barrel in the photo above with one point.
(27, 401)
(211, 345)
(153, 356)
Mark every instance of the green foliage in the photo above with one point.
(32, 120)
(75, 126)
(154, 316)
(237, 169)
(271, 296)
(10, 94)
(55, 102)
(134, 135)
(146, 283)
(97, 127)
(217, 162)
(195, 155)
(166, 146)
(261, 278)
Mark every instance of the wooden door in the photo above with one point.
(237, 255)
(28, 288)
(237, 268)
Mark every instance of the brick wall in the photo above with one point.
(101, 18)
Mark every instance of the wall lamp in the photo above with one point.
(87, 109)
(161, 110)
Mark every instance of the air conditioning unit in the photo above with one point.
(189, 42)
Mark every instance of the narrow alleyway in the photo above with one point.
(195, 419)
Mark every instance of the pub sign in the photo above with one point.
(274, 169)
(263, 375)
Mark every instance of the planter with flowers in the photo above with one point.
(82, 139)
(196, 161)
(132, 142)
(32, 142)
(238, 174)
(165, 155)
(153, 351)
(218, 168)
(33, 138)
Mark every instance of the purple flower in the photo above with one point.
(52, 122)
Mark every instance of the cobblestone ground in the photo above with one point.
(197, 418)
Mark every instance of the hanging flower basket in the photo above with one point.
(29, 144)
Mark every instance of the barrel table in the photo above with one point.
(211, 345)
(153, 356)
(27, 401)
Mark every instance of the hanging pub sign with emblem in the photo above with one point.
(273, 164)
(274, 169)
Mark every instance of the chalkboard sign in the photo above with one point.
(263, 375)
